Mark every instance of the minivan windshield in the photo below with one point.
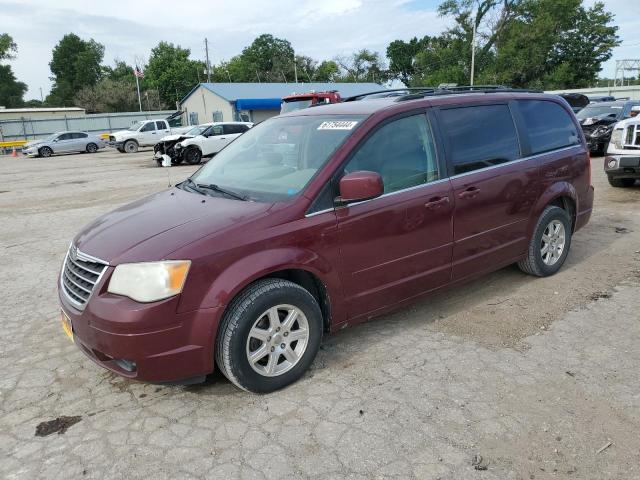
(275, 160)
(600, 110)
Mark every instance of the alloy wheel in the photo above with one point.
(553, 242)
(277, 340)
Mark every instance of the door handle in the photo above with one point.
(436, 202)
(222, 138)
(469, 192)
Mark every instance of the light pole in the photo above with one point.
(473, 48)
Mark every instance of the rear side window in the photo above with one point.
(161, 125)
(479, 137)
(233, 128)
(548, 126)
(80, 135)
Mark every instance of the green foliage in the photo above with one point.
(75, 64)
(11, 91)
(8, 47)
(548, 44)
(362, 66)
(172, 73)
(108, 96)
(327, 71)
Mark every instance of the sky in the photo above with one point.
(320, 29)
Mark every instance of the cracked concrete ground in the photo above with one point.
(534, 375)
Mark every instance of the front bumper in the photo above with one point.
(149, 342)
(115, 144)
(626, 166)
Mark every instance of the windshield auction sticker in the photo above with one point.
(337, 125)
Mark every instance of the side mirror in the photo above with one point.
(362, 185)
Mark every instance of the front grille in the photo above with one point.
(80, 274)
(632, 136)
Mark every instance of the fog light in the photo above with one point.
(612, 164)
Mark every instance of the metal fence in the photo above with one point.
(25, 128)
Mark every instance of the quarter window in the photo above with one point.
(480, 136)
(548, 125)
(402, 152)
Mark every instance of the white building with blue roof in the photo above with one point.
(253, 102)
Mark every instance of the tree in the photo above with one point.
(75, 64)
(544, 44)
(172, 73)
(554, 44)
(327, 71)
(108, 96)
(362, 66)
(271, 57)
(11, 91)
(402, 56)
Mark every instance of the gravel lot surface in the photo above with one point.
(528, 378)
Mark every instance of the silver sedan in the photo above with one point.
(64, 142)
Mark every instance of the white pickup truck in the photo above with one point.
(144, 133)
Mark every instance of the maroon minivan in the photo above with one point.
(323, 218)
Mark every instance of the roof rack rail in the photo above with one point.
(390, 92)
(464, 89)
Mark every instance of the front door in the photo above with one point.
(213, 142)
(398, 245)
(64, 143)
(494, 188)
(148, 134)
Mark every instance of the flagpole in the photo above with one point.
(138, 85)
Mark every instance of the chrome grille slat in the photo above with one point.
(79, 276)
(85, 267)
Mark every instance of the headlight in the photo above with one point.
(601, 131)
(151, 281)
(178, 145)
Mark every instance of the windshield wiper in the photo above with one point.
(216, 188)
(198, 187)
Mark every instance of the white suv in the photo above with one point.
(211, 141)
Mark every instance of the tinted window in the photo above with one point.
(149, 127)
(64, 136)
(230, 129)
(401, 151)
(548, 125)
(161, 125)
(480, 136)
(79, 135)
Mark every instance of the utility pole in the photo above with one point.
(206, 49)
(41, 97)
(295, 68)
(473, 49)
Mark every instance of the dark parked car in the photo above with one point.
(598, 119)
(321, 219)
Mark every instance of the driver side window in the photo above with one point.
(215, 130)
(149, 127)
(402, 152)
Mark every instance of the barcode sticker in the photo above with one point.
(337, 125)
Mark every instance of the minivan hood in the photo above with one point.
(154, 226)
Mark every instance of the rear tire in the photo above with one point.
(45, 152)
(92, 148)
(621, 182)
(130, 146)
(550, 243)
(269, 335)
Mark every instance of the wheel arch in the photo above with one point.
(561, 194)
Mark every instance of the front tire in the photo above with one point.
(45, 152)
(193, 155)
(550, 243)
(130, 146)
(621, 182)
(269, 335)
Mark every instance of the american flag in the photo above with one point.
(138, 73)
